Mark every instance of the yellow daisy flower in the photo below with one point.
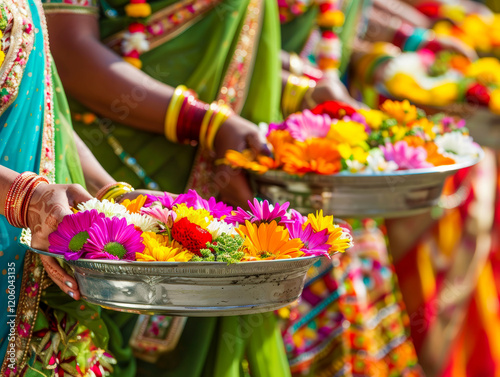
(351, 133)
(268, 241)
(200, 217)
(374, 118)
(337, 238)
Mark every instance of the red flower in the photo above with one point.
(334, 109)
(478, 93)
(191, 236)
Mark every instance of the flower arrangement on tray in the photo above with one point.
(189, 228)
(335, 138)
(443, 79)
(481, 32)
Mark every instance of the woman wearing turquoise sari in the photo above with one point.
(46, 330)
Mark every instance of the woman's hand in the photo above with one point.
(330, 88)
(238, 134)
(50, 203)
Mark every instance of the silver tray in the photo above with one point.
(484, 127)
(193, 289)
(396, 194)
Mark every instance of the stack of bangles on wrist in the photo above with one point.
(19, 198)
(114, 191)
(295, 90)
(368, 64)
(410, 39)
(191, 120)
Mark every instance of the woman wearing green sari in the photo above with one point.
(225, 51)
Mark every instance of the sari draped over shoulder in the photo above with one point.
(43, 330)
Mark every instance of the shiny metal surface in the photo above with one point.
(397, 194)
(195, 289)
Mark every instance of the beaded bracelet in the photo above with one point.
(19, 197)
(114, 191)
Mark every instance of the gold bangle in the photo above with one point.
(222, 115)
(294, 92)
(207, 119)
(173, 113)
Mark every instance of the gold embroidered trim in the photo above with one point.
(21, 43)
(167, 23)
(52, 8)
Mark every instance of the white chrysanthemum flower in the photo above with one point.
(377, 163)
(354, 166)
(145, 222)
(457, 146)
(218, 228)
(412, 65)
(134, 42)
(108, 208)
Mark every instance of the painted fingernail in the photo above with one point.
(69, 284)
(71, 294)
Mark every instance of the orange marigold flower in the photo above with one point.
(414, 141)
(436, 158)
(268, 241)
(314, 155)
(134, 206)
(244, 160)
(278, 140)
(403, 111)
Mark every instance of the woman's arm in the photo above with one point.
(95, 175)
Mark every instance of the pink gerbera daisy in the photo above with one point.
(307, 125)
(166, 200)
(406, 157)
(113, 238)
(315, 243)
(165, 215)
(260, 212)
(72, 234)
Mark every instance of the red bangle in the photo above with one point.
(27, 201)
(402, 34)
(104, 190)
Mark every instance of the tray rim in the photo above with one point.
(167, 264)
(309, 177)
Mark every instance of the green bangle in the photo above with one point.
(414, 41)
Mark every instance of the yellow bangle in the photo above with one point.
(115, 190)
(222, 115)
(207, 119)
(173, 110)
(294, 92)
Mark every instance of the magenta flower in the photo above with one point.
(113, 238)
(167, 201)
(406, 157)
(276, 127)
(72, 234)
(260, 212)
(165, 215)
(194, 200)
(306, 125)
(296, 216)
(315, 244)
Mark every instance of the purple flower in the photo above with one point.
(167, 201)
(113, 238)
(260, 212)
(194, 200)
(404, 156)
(72, 234)
(315, 244)
(306, 125)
